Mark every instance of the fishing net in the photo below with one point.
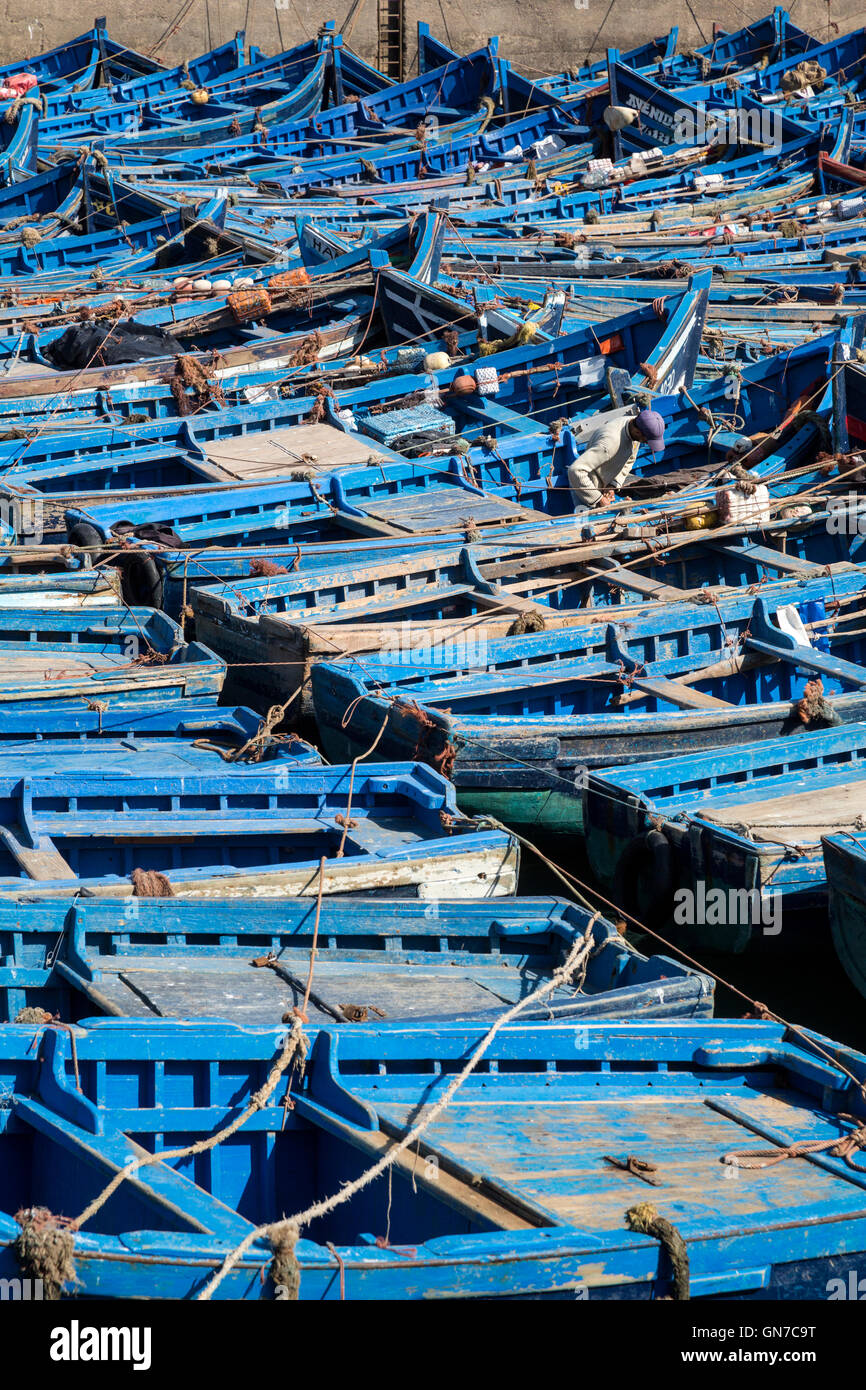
(103, 344)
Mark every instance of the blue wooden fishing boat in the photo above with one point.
(302, 356)
(278, 89)
(73, 62)
(66, 657)
(499, 720)
(399, 960)
(774, 37)
(524, 480)
(177, 231)
(63, 252)
(220, 70)
(520, 390)
(49, 588)
(480, 1206)
(120, 88)
(236, 732)
(272, 831)
(47, 201)
(165, 578)
(844, 862)
(209, 740)
(291, 323)
(80, 62)
(459, 94)
(446, 159)
(18, 126)
(838, 58)
(723, 845)
(448, 604)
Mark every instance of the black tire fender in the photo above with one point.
(143, 582)
(647, 859)
(87, 536)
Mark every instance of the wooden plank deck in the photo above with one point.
(802, 815)
(446, 509)
(179, 987)
(24, 668)
(551, 1154)
(277, 452)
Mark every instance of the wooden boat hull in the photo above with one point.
(270, 833)
(144, 958)
(844, 863)
(60, 656)
(764, 843)
(524, 733)
(491, 1212)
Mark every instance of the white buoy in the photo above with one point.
(436, 361)
(618, 117)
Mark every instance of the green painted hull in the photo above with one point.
(551, 811)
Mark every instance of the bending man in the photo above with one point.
(607, 460)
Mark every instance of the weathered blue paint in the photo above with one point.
(525, 718)
(61, 659)
(747, 818)
(509, 1193)
(844, 862)
(398, 960)
(224, 831)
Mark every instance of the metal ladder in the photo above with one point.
(391, 28)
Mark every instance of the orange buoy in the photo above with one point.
(287, 279)
(464, 385)
(249, 304)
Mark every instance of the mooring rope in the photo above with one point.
(279, 1231)
(646, 1220)
(843, 1146)
(296, 1045)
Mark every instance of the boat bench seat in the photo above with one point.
(812, 660)
(675, 694)
(769, 558)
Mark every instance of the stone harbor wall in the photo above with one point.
(539, 36)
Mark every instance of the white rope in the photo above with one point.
(574, 960)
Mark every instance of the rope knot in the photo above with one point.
(44, 1249)
(285, 1272)
(644, 1218)
(33, 1015)
(641, 1217)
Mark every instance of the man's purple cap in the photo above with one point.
(652, 427)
